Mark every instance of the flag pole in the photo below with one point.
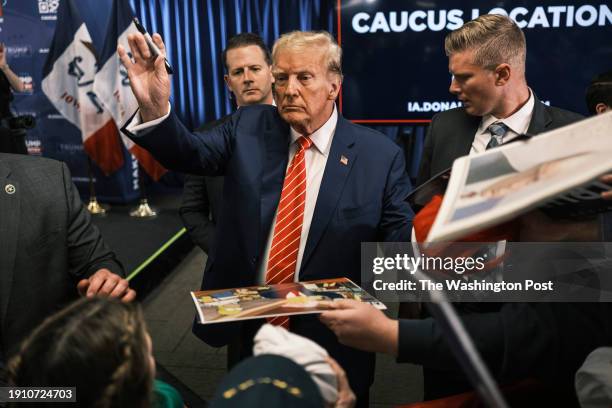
(94, 207)
(143, 210)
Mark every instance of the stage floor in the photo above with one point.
(134, 240)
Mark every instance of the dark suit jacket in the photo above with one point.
(202, 200)
(200, 207)
(451, 134)
(547, 341)
(360, 201)
(47, 244)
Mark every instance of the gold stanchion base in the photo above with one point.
(95, 208)
(143, 210)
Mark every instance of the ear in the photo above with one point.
(502, 74)
(334, 88)
(601, 108)
(227, 83)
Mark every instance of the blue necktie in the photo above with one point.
(498, 131)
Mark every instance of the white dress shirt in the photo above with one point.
(316, 159)
(138, 128)
(517, 123)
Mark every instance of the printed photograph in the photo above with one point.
(254, 302)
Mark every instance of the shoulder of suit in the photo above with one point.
(371, 139)
(454, 114)
(252, 111)
(562, 116)
(25, 163)
(214, 123)
(266, 115)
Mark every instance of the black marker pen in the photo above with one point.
(152, 47)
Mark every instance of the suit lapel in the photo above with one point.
(342, 156)
(540, 119)
(9, 233)
(274, 167)
(466, 135)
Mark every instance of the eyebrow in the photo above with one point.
(280, 71)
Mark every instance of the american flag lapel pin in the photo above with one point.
(344, 160)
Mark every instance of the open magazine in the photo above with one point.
(255, 302)
(558, 171)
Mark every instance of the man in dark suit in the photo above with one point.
(486, 58)
(344, 185)
(487, 63)
(248, 63)
(50, 251)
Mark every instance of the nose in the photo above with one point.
(248, 75)
(454, 87)
(292, 86)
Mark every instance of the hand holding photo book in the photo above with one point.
(558, 172)
(294, 298)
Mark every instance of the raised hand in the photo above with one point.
(149, 80)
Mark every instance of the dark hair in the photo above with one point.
(244, 40)
(599, 91)
(97, 345)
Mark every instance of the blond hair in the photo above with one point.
(301, 41)
(496, 39)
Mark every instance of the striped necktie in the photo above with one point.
(282, 260)
(498, 130)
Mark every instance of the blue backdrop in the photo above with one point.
(196, 31)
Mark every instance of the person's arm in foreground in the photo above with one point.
(90, 260)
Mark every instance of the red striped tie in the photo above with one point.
(283, 255)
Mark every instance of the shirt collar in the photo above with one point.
(518, 122)
(322, 137)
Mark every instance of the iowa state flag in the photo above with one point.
(113, 86)
(68, 77)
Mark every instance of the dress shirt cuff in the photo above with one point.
(415, 340)
(137, 128)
